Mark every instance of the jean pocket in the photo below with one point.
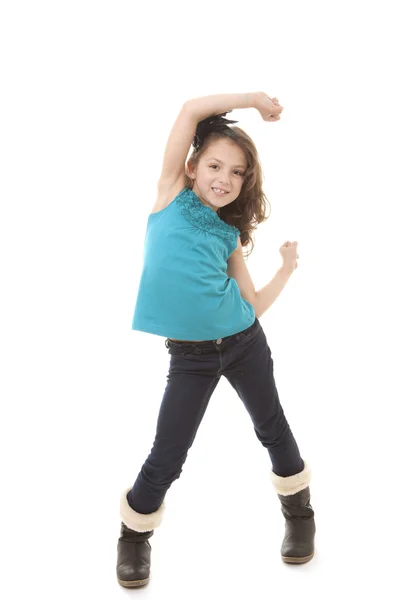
(250, 332)
(248, 336)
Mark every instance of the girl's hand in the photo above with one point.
(288, 251)
(269, 108)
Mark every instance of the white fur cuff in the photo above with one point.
(286, 486)
(138, 521)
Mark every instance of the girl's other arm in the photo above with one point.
(269, 293)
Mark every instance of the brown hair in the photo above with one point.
(249, 208)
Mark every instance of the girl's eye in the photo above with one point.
(240, 173)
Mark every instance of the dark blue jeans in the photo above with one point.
(195, 370)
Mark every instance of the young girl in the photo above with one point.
(196, 291)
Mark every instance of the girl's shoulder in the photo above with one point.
(166, 192)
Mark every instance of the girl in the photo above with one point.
(195, 290)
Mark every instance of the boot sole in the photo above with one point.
(134, 583)
(297, 559)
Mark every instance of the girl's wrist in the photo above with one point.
(257, 99)
(250, 99)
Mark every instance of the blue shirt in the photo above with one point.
(184, 291)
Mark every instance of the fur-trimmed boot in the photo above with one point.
(294, 494)
(134, 549)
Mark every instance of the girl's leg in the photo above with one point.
(191, 383)
(251, 375)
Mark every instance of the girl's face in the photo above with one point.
(222, 166)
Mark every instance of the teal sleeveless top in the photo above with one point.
(184, 291)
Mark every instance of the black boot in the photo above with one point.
(294, 495)
(134, 549)
(133, 561)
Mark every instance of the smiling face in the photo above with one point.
(222, 166)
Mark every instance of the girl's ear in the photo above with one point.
(190, 169)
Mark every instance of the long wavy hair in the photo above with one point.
(249, 208)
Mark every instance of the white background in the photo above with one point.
(90, 91)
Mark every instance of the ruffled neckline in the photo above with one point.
(203, 216)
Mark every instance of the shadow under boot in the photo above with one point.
(294, 495)
(134, 549)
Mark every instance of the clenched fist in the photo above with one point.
(288, 251)
(269, 108)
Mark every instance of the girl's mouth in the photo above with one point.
(217, 193)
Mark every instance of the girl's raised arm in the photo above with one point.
(178, 146)
(220, 103)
